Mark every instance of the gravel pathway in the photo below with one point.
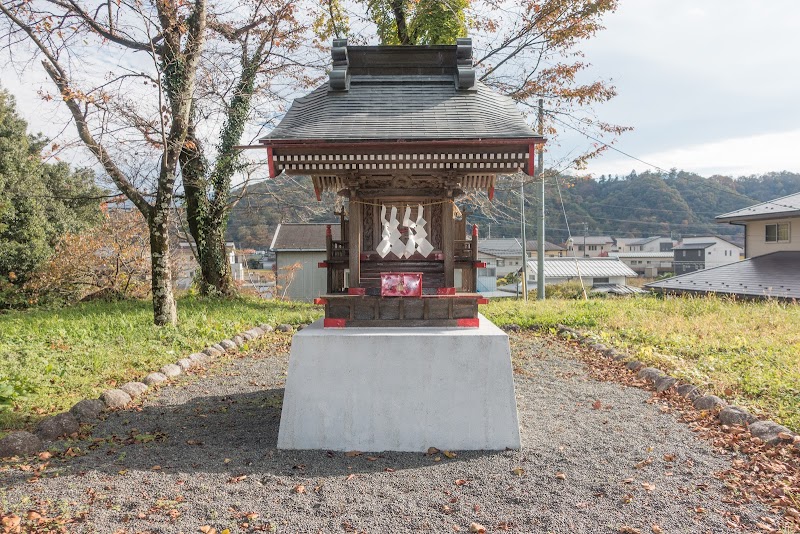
(596, 457)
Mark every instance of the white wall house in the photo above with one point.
(593, 271)
(299, 248)
(772, 226)
(503, 254)
(590, 246)
(719, 252)
(647, 244)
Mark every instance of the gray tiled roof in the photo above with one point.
(592, 240)
(779, 207)
(302, 236)
(641, 241)
(693, 246)
(771, 275)
(399, 108)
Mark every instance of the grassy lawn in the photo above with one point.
(748, 352)
(62, 356)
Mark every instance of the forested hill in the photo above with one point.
(678, 203)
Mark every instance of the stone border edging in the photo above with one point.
(24, 443)
(766, 431)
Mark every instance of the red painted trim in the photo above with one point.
(328, 231)
(483, 301)
(322, 265)
(356, 291)
(320, 301)
(371, 143)
(480, 265)
(445, 291)
(317, 194)
(491, 193)
(474, 230)
(271, 163)
(334, 323)
(531, 156)
(468, 323)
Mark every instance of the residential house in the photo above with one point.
(299, 249)
(504, 254)
(704, 252)
(772, 249)
(551, 250)
(646, 244)
(593, 271)
(649, 264)
(590, 246)
(769, 227)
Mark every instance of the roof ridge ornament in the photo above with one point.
(465, 79)
(339, 77)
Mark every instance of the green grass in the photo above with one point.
(748, 352)
(62, 356)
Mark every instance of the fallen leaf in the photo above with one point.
(669, 457)
(225, 531)
(628, 481)
(646, 461)
(560, 475)
(389, 470)
(237, 479)
(352, 454)
(460, 482)
(156, 468)
(206, 529)
(372, 458)
(193, 442)
(252, 516)
(449, 454)
(597, 405)
(700, 510)
(518, 471)
(46, 455)
(446, 509)
(33, 515)
(351, 476)
(10, 521)
(477, 527)
(299, 489)
(648, 486)
(432, 451)
(656, 529)
(785, 435)
(625, 529)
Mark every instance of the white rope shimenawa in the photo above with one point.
(390, 233)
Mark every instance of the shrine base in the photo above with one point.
(400, 389)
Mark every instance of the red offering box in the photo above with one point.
(401, 284)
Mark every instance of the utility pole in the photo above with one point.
(524, 244)
(585, 231)
(540, 236)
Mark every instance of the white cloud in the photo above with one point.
(737, 157)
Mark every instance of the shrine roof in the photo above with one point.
(306, 237)
(399, 93)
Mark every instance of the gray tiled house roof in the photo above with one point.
(402, 93)
(302, 236)
(788, 206)
(775, 275)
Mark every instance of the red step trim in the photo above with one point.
(356, 291)
(322, 264)
(468, 323)
(334, 323)
(445, 291)
(320, 301)
(480, 265)
(483, 301)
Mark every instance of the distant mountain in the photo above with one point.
(677, 203)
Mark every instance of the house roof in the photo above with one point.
(618, 289)
(788, 206)
(402, 93)
(593, 240)
(502, 247)
(641, 241)
(641, 254)
(548, 246)
(771, 275)
(694, 246)
(302, 236)
(584, 267)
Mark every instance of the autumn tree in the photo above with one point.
(253, 50)
(151, 50)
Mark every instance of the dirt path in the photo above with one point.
(597, 457)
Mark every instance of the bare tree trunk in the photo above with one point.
(164, 309)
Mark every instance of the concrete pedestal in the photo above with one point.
(400, 389)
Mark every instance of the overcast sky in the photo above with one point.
(711, 87)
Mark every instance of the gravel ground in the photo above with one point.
(202, 452)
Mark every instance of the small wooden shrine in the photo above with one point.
(401, 132)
